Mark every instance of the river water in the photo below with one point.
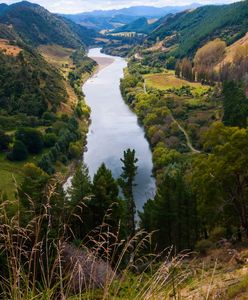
(114, 128)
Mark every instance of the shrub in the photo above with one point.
(50, 139)
(75, 150)
(32, 139)
(203, 246)
(19, 152)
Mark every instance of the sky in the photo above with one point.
(77, 6)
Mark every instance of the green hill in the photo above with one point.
(187, 31)
(140, 26)
(28, 84)
(37, 26)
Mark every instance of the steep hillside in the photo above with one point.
(38, 26)
(6, 32)
(28, 84)
(189, 30)
(85, 34)
(140, 25)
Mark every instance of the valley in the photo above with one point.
(123, 153)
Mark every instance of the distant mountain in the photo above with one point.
(36, 26)
(142, 11)
(185, 32)
(110, 19)
(140, 25)
(3, 6)
(101, 22)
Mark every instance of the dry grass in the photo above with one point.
(43, 266)
(232, 50)
(8, 49)
(58, 56)
(165, 81)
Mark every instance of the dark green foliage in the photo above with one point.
(19, 152)
(80, 186)
(5, 140)
(235, 105)
(127, 182)
(172, 213)
(28, 84)
(31, 138)
(33, 188)
(80, 194)
(66, 133)
(50, 139)
(105, 190)
(37, 26)
(192, 29)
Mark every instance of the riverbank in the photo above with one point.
(102, 62)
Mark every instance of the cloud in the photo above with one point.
(75, 6)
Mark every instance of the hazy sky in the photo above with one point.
(75, 6)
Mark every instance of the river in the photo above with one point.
(114, 127)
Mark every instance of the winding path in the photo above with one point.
(188, 141)
(189, 144)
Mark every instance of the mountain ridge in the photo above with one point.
(37, 26)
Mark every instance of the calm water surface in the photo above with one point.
(114, 128)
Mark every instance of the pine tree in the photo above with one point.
(126, 181)
(105, 201)
(79, 196)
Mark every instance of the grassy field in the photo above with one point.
(11, 172)
(165, 81)
(58, 56)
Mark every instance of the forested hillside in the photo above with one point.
(36, 26)
(185, 32)
(42, 105)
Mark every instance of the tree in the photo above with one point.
(19, 152)
(80, 185)
(178, 68)
(126, 182)
(80, 194)
(187, 71)
(105, 197)
(50, 139)
(235, 105)
(32, 190)
(172, 214)
(32, 138)
(220, 179)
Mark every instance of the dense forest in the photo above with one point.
(187, 82)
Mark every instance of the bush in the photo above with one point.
(32, 139)
(203, 246)
(19, 152)
(50, 139)
(75, 150)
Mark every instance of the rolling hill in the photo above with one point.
(187, 31)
